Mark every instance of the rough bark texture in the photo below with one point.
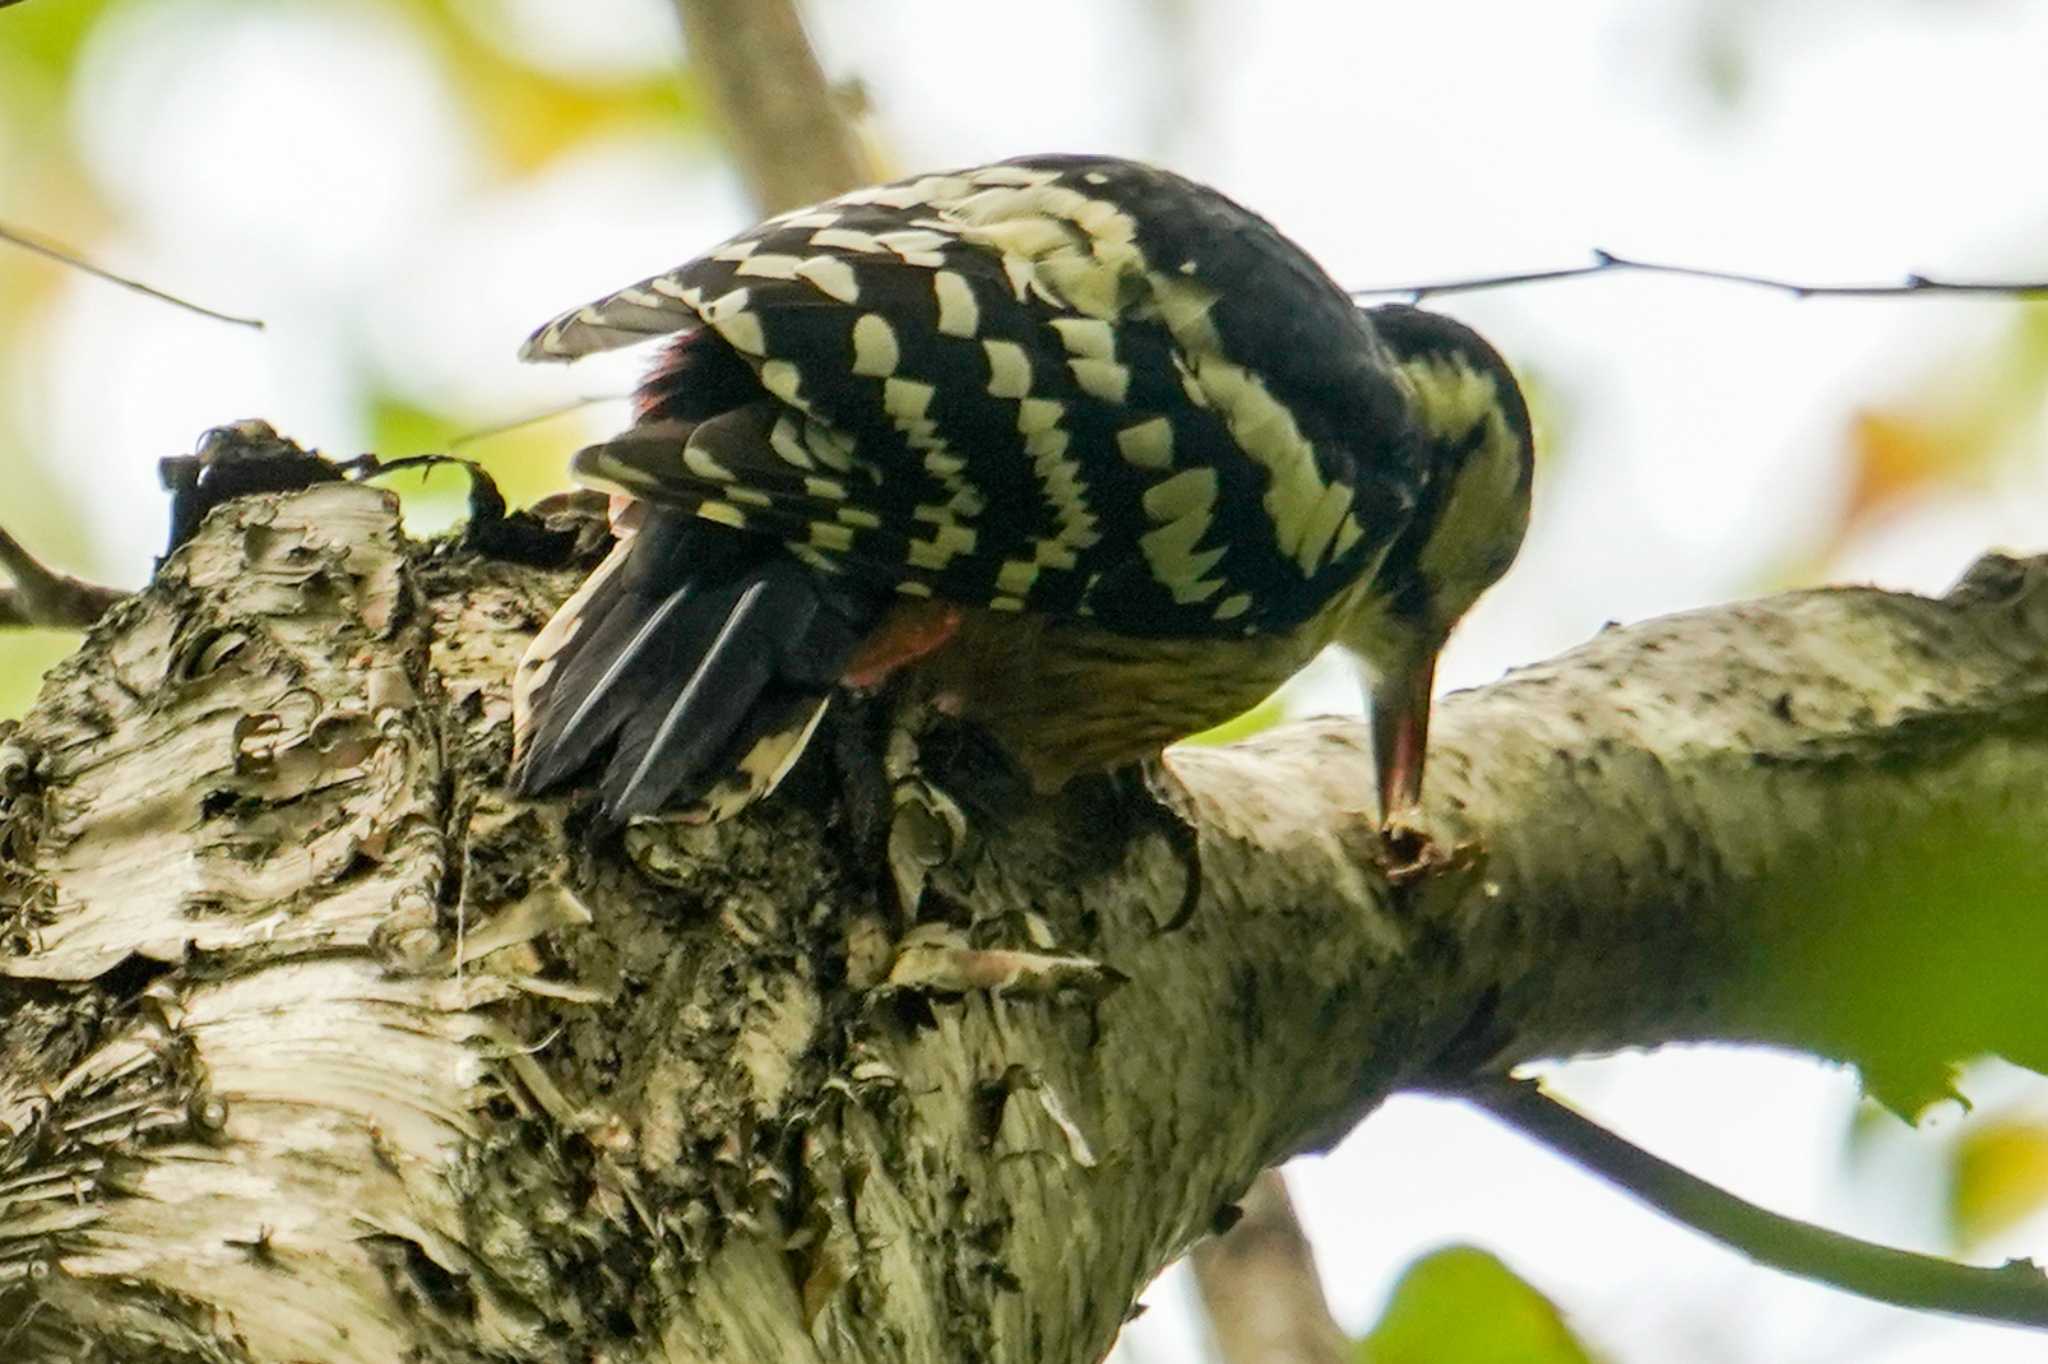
(315, 1045)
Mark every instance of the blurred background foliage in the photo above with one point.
(523, 88)
(402, 188)
(1461, 1305)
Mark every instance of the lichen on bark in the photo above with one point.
(317, 1043)
(314, 1043)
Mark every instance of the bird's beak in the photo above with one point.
(1400, 729)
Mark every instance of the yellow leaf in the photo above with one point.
(2000, 1177)
(1893, 455)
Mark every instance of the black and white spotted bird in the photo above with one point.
(1070, 446)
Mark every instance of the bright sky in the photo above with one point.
(307, 164)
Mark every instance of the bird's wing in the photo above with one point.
(1070, 386)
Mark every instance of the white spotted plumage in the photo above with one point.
(1019, 306)
(1076, 388)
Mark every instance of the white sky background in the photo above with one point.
(307, 165)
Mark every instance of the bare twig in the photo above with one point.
(483, 433)
(2013, 1292)
(1259, 1285)
(42, 598)
(780, 120)
(1606, 262)
(44, 247)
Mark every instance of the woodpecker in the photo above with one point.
(1069, 446)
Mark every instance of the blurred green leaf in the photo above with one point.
(25, 655)
(1909, 949)
(40, 511)
(1553, 415)
(1999, 1177)
(1263, 716)
(531, 459)
(47, 37)
(526, 459)
(399, 428)
(1461, 1305)
(531, 116)
(433, 496)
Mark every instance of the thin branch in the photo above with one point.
(41, 598)
(49, 249)
(1260, 1288)
(780, 120)
(2014, 1292)
(483, 433)
(1606, 262)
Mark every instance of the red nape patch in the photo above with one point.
(910, 631)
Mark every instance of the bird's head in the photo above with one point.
(1478, 454)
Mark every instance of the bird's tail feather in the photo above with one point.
(701, 658)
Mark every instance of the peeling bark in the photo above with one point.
(315, 1044)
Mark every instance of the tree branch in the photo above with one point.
(316, 1037)
(2014, 1292)
(42, 246)
(781, 123)
(43, 599)
(1607, 263)
(1260, 1289)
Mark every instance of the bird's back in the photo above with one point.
(1081, 389)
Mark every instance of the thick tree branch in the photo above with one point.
(780, 120)
(310, 1035)
(1260, 1289)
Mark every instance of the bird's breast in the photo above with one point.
(1066, 698)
